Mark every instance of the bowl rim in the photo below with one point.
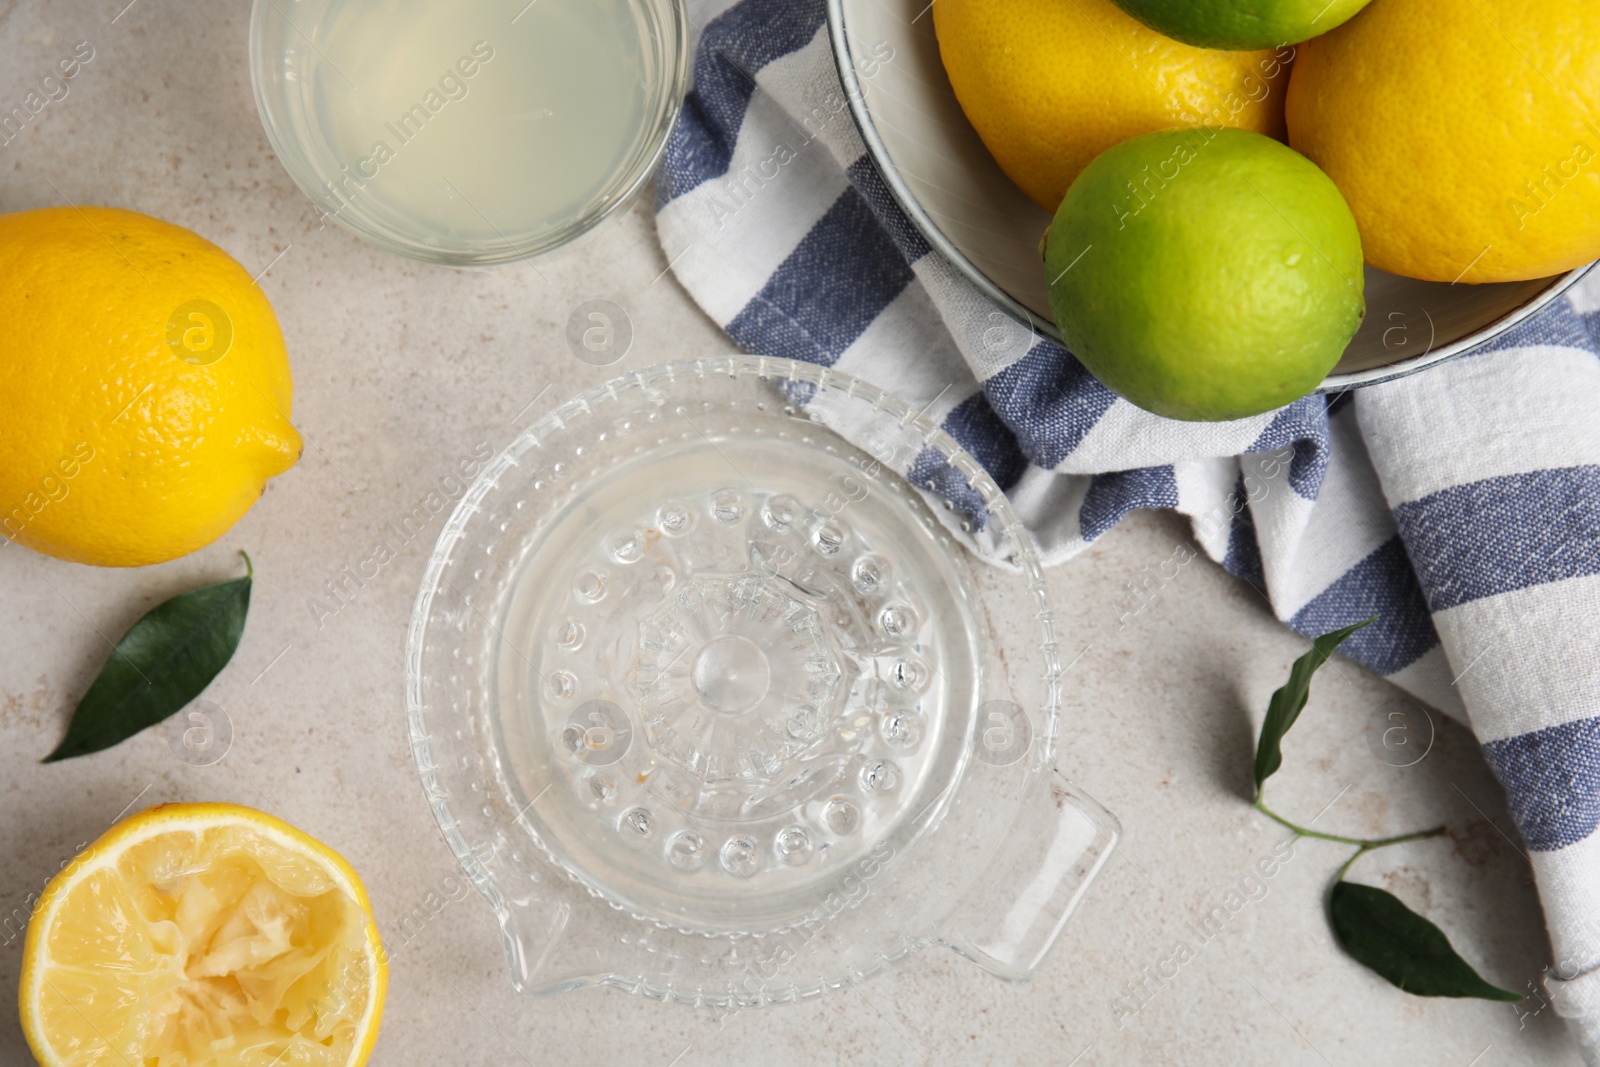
(878, 152)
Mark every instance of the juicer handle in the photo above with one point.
(1009, 918)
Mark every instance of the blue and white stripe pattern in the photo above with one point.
(1461, 506)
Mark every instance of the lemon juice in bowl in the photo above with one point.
(469, 132)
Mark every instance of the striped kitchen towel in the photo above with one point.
(1461, 506)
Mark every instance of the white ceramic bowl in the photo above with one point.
(957, 196)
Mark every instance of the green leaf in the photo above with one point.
(1290, 700)
(162, 662)
(1385, 936)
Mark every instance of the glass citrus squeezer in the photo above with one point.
(715, 706)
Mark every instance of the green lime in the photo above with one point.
(1205, 273)
(1241, 25)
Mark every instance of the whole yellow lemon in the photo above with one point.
(146, 387)
(1050, 84)
(1464, 133)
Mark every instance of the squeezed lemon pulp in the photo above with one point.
(205, 949)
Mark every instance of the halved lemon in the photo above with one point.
(203, 935)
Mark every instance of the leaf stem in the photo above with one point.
(249, 568)
(1363, 843)
(1362, 851)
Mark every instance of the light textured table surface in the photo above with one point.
(401, 370)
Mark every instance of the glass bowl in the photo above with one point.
(714, 706)
(470, 133)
